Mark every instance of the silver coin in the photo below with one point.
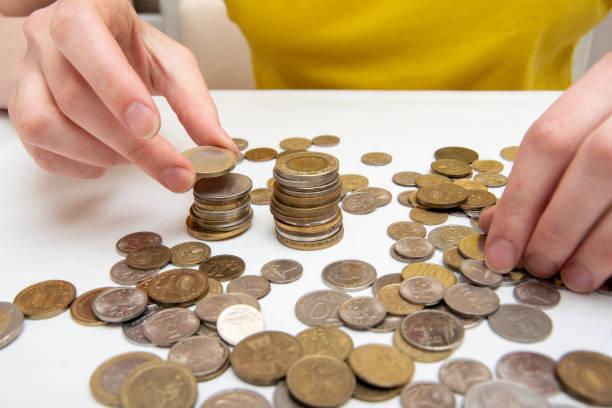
(236, 398)
(246, 299)
(470, 300)
(117, 305)
(422, 290)
(359, 203)
(461, 374)
(521, 323)
(209, 308)
(467, 322)
(432, 330)
(537, 293)
(362, 312)
(448, 236)
(239, 321)
(503, 394)
(478, 274)
(381, 196)
(134, 329)
(204, 356)
(170, 326)
(253, 285)
(282, 271)
(413, 248)
(283, 399)
(320, 308)
(11, 323)
(400, 258)
(224, 188)
(388, 279)
(349, 275)
(427, 395)
(390, 324)
(122, 274)
(533, 370)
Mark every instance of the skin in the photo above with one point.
(81, 102)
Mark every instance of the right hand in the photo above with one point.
(83, 97)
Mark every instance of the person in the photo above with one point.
(78, 75)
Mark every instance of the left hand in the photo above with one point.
(556, 211)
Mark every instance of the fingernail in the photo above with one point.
(499, 256)
(539, 266)
(177, 179)
(577, 278)
(141, 120)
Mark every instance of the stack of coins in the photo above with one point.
(305, 200)
(221, 208)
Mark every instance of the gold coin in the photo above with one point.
(456, 153)
(587, 375)
(271, 183)
(326, 341)
(509, 153)
(80, 309)
(431, 180)
(428, 217)
(312, 245)
(260, 154)
(422, 356)
(351, 182)
(295, 143)
(45, 299)
(492, 166)
(160, 384)
(394, 303)
(452, 258)
(376, 158)
(147, 258)
(321, 381)
(472, 246)
(451, 168)
(261, 196)
(198, 233)
(406, 178)
(178, 286)
(404, 198)
(446, 277)
(240, 143)
(470, 184)
(325, 140)
(490, 179)
(442, 196)
(214, 287)
(369, 393)
(210, 161)
(189, 253)
(478, 199)
(381, 366)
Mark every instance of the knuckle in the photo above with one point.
(554, 236)
(34, 24)
(33, 126)
(68, 96)
(46, 160)
(548, 137)
(141, 152)
(66, 13)
(599, 150)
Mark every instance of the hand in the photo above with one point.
(83, 98)
(556, 210)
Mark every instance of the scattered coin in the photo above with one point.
(369, 393)
(320, 308)
(427, 394)
(461, 374)
(253, 285)
(376, 158)
(513, 278)
(326, 341)
(209, 308)
(520, 323)
(405, 229)
(45, 299)
(406, 178)
(295, 143)
(394, 303)
(381, 366)
(282, 398)
(452, 258)
(260, 154)
(223, 267)
(352, 182)
(477, 200)
(206, 357)
(456, 153)
(389, 324)
(349, 275)
(381, 196)
(236, 398)
(448, 236)
(134, 329)
(359, 203)
(404, 198)
(169, 326)
(246, 299)
(469, 184)
(478, 274)
(189, 253)
(237, 322)
(432, 330)
(451, 168)
(261, 196)
(178, 286)
(428, 180)
(587, 375)
(81, 309)
(466, 321)
(491, 179)
(422, 290)
(413, 249)
(533, 370)
(137, 240)
(241, 144)
(11, 323)
(420, 355)
(472, 246)
(492, 166)
(537, 293)
(502, 394)
(210, 161)
(428, 217)
(282, 271)
(325, 140)
(362, 312)
(446, 277)
(509, 153)
(385, 280)
(147, 258)
(470, 300)
(118, 305)
(122, 274)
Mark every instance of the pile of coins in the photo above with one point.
(305, 200)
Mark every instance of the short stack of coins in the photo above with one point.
(305, 200)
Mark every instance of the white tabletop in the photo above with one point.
(53, 227)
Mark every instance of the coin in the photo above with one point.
(283, 399)
(417, 354)
(264, 358)
(223, 267)
(260, 154)
(385, 280)
(376, 158)
(169, 326)
(189, 253)
(451, 168)
(210, 161)
(514, 278)
(369, 393)
(228, 187)
(81, 309)
(352, 182)
(381, 196)
(325, 341)
(282, 271)
(478, 274)
(472, 246)
(206, 357)
(178, 286)
(404, 198)
(159, 384)
(533, 370)
(261, 196)
(107, 379)
(11, 323)
(349, 275)
(122, 274)
(390, 323)
(428, 180)
(456, 153)
(239, 321)
(406, 178)
(236, 398)
(509, 153)
(359, 203)
(422, 290)
(491, 179)
(461, 374)
(320, 308)
(240, 143)
(467, 321)
(253, 285)
(134, 329)
(295, 143)
(325, 140)
(448, 236)
(502, 394)
(470, 185)
(446, 277)
(209, 308)
(362, 312)
(432, 330)
(536, 293)
(478, 199)
(405, 229)
(492, 166)
(381, 366)
(425, 394)
(246, 299)
(520, 323)
(394, 303)
(428, 217)
(147, 258)
(587, 375)
(45, 299)
(414, 248)
(452, 258)
(137, 240)
(470, 300)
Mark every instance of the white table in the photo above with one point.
(60, 228)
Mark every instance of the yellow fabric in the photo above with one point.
(415, 44)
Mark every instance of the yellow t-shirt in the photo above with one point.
(415, 44)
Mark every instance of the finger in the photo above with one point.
(180, 81)
(54, 163)
(485, 219)
(543, 157)
(585, 190)
(591, 264)
(81, 31)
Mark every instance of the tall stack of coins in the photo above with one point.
(305, 200)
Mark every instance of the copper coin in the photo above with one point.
(11, 323)
(295, 143)
(451, 168)
(492, 166)
(534, 370)
(148, 258)
(456, 153)
(470, 300)
(478, 199)
(376, 158)
(261, 196)
(178, 286)
(210, 161)
(362, 312)
(240, 143)
(587, 375)
(81, 311)
(45, 299)
(442, 196)
(325, 140)
(491, 179)
(169, 326)
(349, 275)
(137, 240)
(117, 305)
(122, 274)
(189, 253)
(422, 290)
(282, 271)
(521, 323)
(405, 229)
(428, 180)
(369, 393)
(253, 285)
(260, 154)
(427, 394)
(452, 258)
(461, 374)
(404, 198)
(536, 293)
(509, 153)
(478, 274)
(320, 308)
(406, 178)
(428, 217)
(432, 330)
(223, 267)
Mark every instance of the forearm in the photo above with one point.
(13, 46)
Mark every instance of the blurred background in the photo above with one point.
(199, 24)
